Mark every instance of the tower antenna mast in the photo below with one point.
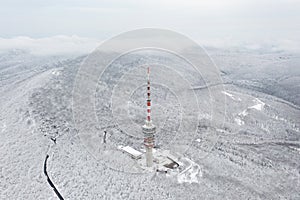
(149, 129)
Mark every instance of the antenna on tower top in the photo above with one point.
(148, 98)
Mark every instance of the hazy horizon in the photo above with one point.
(233, 21)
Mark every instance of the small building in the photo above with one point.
(131, 151)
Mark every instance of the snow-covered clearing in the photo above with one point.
(231, 96)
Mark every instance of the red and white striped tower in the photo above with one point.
(149, 129)
(148, 98)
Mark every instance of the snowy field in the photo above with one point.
(256, 154)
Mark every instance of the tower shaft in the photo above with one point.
(149, 129)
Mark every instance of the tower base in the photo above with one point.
(163, 161)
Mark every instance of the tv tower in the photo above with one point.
(149, 129)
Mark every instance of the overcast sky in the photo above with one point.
(245, 20)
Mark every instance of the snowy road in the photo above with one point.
(49, 180)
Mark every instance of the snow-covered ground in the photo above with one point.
(255, 154)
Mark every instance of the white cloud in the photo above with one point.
(55, 45)
(287, 45)
(62, 44)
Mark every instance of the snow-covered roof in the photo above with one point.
(131, 151)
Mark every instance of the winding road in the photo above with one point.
(49, 180)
